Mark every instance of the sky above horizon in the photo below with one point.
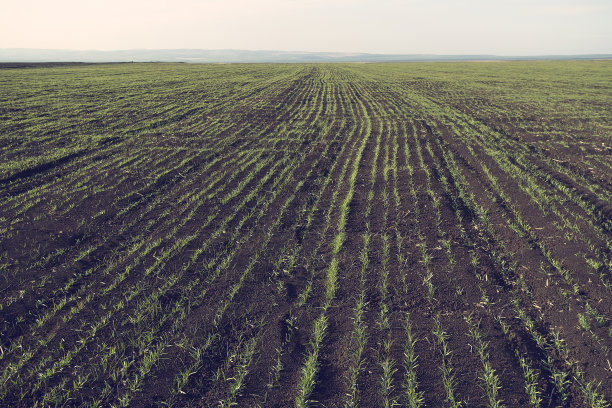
(510, 27)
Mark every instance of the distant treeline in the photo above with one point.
(19, 55)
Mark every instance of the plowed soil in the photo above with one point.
(176, 234)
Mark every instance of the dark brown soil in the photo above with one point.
(200, 236)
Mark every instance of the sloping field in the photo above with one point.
(433, 235)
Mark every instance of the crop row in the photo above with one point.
(304, 235)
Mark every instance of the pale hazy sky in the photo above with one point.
(506, 27)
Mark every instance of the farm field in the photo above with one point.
(324, 235)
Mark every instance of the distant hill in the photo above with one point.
(211, 56)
